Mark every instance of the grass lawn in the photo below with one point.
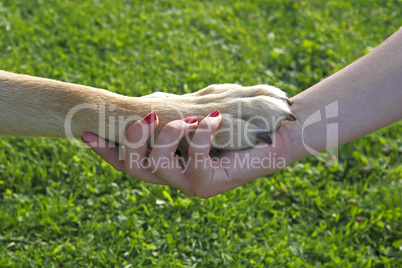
(61, 206)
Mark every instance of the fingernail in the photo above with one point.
(87, 138)
(215, 113)
(149, 118)
(190, 119)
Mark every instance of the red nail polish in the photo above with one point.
(190, 119)
(86, 139)
(215, 113)
(149, 118)
(89, 140)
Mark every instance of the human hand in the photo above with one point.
(198, 174)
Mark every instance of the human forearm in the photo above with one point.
(365, 96)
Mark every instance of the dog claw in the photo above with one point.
(291, 117)
(265, 137)
(289, 102)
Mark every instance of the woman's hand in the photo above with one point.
(198, 174)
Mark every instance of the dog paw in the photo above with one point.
(249, 114)
(235, 90)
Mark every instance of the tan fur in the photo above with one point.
(32, 106)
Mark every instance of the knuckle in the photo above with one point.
(205, 125)
(173, 128)
(132, 133)
(169, 129)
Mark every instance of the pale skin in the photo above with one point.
(368, 93)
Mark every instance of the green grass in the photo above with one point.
(61, 206)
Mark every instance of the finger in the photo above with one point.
(203, 169)
(168, 140)
(135, 148)
(108, 151)
(201, 141)
(163, 152)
